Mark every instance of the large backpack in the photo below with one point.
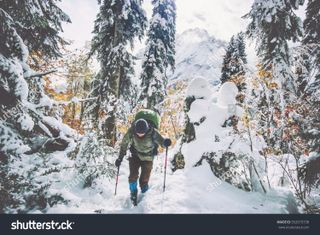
(153, 118)
(150, 116)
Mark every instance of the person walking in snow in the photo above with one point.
(143, 139)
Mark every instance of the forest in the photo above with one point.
(245, 133)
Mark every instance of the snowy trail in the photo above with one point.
(193, 190)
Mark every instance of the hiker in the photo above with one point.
(143, 139)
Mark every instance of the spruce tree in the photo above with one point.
(242, 47)
(117, 25)
(27, 134)
(306, 63)
(38, 23)
(226, 73)
(159, 55)
(310, 72)
(270, 29)
(312, 22)
(233, 67)
(312, 38)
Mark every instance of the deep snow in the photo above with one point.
(192, 190)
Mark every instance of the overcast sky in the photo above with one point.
(222, 18)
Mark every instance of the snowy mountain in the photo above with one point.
(198, 54)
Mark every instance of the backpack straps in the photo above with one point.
(155, 149)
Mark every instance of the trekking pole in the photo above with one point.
(165, 170)
(117, 180)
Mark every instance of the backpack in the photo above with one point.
(153, 119)
(150, 116)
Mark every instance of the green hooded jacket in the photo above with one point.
(143, 147)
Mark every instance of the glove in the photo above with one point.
(167, 143)
(118, 162)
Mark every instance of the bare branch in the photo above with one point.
(41, 74)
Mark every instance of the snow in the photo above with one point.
(227, 94)
(26, 122)
(45, 101)
(313, 156)
(192, 190)
(9, 141)
(60, 126)
(199, 109)
(58, 84)
(13, 66)
(216, 114)
(198, 54)
(199, 88)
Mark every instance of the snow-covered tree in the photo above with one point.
(306, 140)
(117, 25)
(312, 22)
(285, 99)
(38, 23)
(312, 40)
(270, 29)
(160, 53)
(27, 133)
(94, 160)
(234, 61)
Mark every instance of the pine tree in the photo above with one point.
(270, 29)
(233, 67)
(159, 55)
(38, 23)
(27, 133)
(307, 66)
(226, 73)
(117, 25)
(307, 71)
(242, 47)
(312, 38)
(312, 22)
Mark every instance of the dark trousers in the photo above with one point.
(146, 167)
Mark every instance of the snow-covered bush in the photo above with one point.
(216, 138)
(95, 159)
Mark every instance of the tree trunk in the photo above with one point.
(113, 95)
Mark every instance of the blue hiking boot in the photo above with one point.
(144, 188)
(133, 193)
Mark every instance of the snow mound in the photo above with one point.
(227, 94)
(199, 109)
(199, 88)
